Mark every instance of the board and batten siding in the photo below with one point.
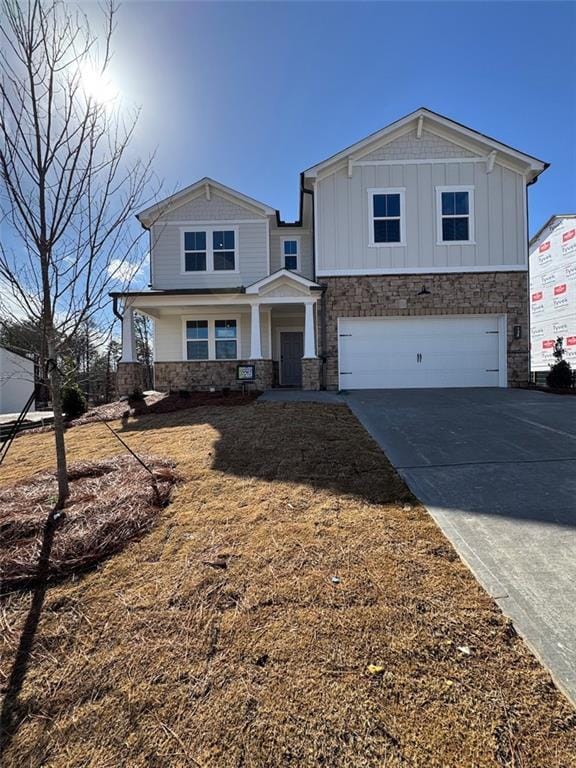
(277, 235)
(343, 218)
(166, 244)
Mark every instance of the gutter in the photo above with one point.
(115, 307)
(179, 292)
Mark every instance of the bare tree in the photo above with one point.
(68, 185)
(143, 338)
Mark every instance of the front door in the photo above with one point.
(291, 351)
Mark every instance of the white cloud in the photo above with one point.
(129, 271)
(125, 271)
(11, 304)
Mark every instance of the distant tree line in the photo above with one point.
(89, 358)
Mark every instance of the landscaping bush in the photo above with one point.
(136, 396)
(560, 375)
(73, 401)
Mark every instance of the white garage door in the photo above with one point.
(411, 352)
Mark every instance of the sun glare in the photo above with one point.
(98, 86)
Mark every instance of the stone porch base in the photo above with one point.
(204, 374)
(128, 378)
(311, 367)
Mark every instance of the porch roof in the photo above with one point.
(253, 289)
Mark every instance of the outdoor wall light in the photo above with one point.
(517, 331)
(424, 291)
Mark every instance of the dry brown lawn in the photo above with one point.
(220, 639)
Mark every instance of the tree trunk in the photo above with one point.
(61, 463)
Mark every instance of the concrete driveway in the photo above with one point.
(497, 470)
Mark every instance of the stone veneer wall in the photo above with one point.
(311, 367)
(128, 377)
(203, 374)
(473, 293)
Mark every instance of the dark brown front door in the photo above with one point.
(291, 351)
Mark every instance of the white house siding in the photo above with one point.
(16, 381)
(169, 331)
(277, 234)
(166, 244)
(343, 218)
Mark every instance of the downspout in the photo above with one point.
(115, 308)
(323, 332)
(311, 193)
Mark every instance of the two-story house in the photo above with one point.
(407, 268)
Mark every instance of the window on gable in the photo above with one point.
(386, 213)
(225, 335)
(455, 213)
(194, 251)
(224, 248)
(291, 255)
(197, 339)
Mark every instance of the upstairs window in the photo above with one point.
(291, 255)
(210, 249)
(225, 336)
(194, 251)
(197, 339)
(386, 217)
(223, 244)
(455, 210)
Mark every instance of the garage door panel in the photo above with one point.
(456, 351)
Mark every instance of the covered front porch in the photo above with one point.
(201, 339)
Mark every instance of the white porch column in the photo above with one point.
(255, 340)
(128, 340)
(309, 335)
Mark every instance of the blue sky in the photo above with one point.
(253, 93)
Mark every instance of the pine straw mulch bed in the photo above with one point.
(156, 402)
(220, 639)
(160, 402)
(112, 502)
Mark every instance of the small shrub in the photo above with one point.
(560, 375)
(136, 396)
(73, 401)
(185, 393)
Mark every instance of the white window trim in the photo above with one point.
(471, 231)
(209, 230)
(211, 319)
(386, 191)
(296, 238)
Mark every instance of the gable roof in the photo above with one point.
(551, 221)
(431, 120)
(279, 274)
(204, 185)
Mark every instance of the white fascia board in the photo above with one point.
(432, 122)
(197, 189)
(152, 301)
(281, 273)
(373, 138)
